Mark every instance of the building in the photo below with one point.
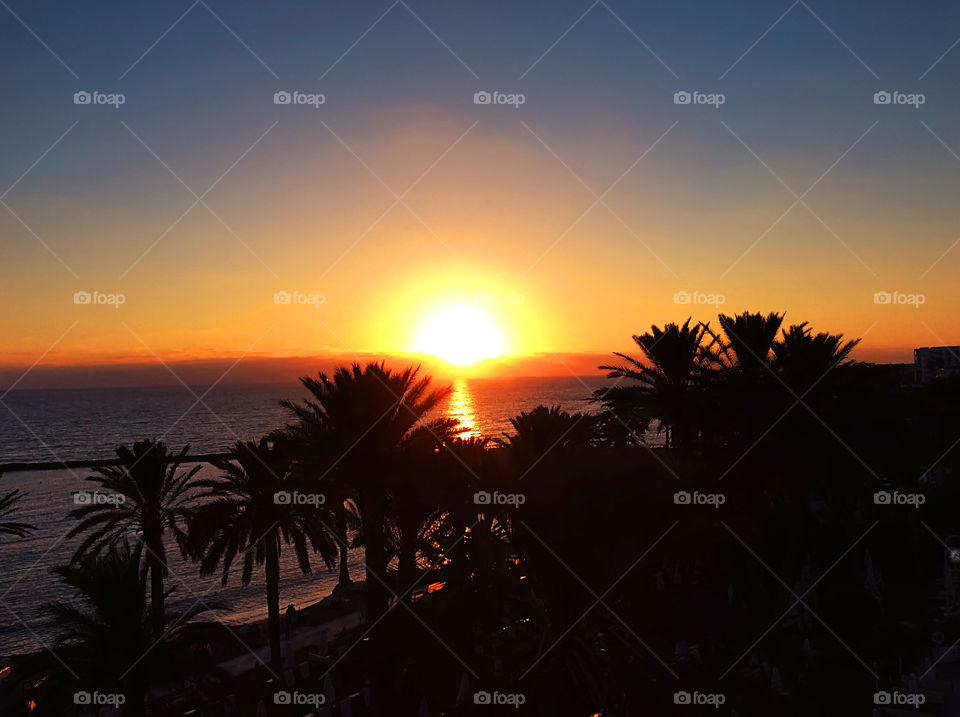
(935, 362)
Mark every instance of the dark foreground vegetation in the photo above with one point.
(785, 548)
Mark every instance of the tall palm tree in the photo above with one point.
(666, 376)
(249, 512)
(353, 426)
(8, 506)
(107, 639)
(145, 494)
(804, 358)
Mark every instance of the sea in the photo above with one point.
(73, 424)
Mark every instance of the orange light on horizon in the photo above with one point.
(460, 335)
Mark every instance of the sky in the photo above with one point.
(600, 205)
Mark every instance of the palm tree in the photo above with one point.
(249, 511)
(666, 381)
(804, 358)
(108, 641)
(545, 430)
(353, 426)
(8, 506)
(750, 340)
(144, 494)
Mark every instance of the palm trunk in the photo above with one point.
(344, 579)
(272, 568)
(373, 510)
(156, 566)
(407, 565)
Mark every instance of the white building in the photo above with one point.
(935, 362)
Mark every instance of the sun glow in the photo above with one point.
(460, 335)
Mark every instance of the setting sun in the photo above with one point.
(460, 335)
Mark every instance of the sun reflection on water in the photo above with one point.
(461, 408)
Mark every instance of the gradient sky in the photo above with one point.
(305, 199)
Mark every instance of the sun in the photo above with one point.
(460, 335)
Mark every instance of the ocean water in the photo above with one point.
(47, 425)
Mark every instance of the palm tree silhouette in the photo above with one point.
(248, 512)
(803, 357)
(544, 430)
(8, 506)
(749, 343)
(353, 426)
(666, 381)
(147, 496)
(108, 640)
